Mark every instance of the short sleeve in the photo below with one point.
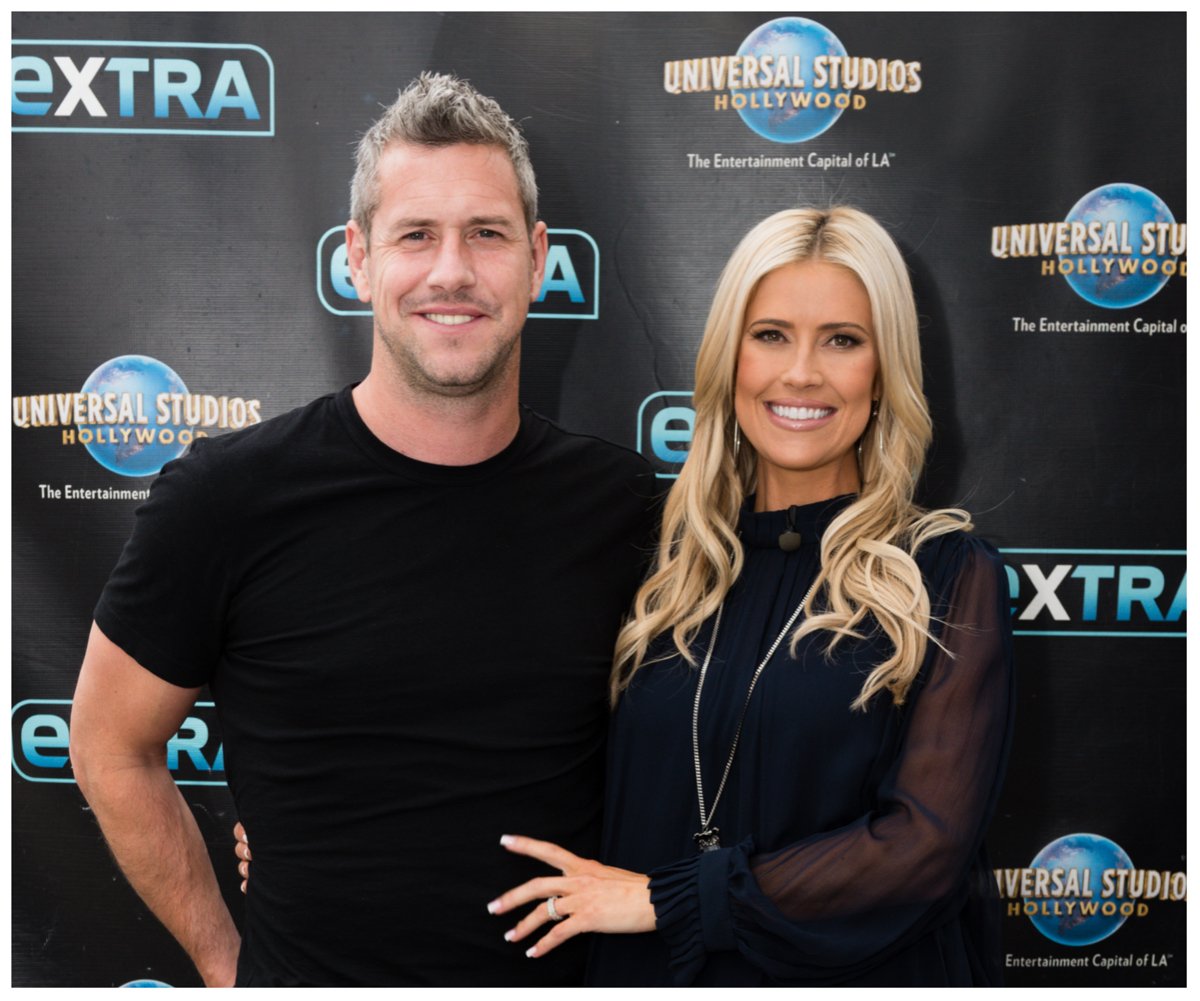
(164, 603)
(842, 901)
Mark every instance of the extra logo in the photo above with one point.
(1118, 246)
(174, 88)
(133, 415)
(791, 79)
(41, 735)
(1097, 592)
(665, 421)
(570, 289)
(1081, 888)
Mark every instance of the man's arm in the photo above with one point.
(120, 723)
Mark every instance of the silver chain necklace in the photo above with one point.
(708, 838)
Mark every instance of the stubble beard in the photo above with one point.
(454, 379)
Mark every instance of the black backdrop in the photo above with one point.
(174, 200)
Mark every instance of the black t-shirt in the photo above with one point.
(408, 661)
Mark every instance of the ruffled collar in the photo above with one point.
(762, 530)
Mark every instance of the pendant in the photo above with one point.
(789, 541)
(708, 840)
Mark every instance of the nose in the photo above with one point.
(452, 268)
(804, 367)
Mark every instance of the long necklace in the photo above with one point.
(708, 838)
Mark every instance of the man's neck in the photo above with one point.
(442, 430)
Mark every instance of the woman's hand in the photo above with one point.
(241, 849)
(587, 896)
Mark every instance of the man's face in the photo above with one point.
(450, 269)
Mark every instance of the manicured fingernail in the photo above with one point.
(531, 952)
(494, 907)
(506, 839)
(510, 934)
(248, 855)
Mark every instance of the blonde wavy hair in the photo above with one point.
(867, 566)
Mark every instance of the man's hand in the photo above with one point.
(241, 848)
(121, 720)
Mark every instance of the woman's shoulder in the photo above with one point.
(945, 558)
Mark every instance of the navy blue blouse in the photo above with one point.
(852, 842)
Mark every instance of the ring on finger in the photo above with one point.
(552, 910)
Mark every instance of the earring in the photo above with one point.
(878, 438)
(737, 439)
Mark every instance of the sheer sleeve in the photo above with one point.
(844, 900)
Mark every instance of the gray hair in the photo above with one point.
(439, 110)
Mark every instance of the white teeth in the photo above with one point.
(449, 319)
(801, 413)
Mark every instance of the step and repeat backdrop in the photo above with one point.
(180, 184)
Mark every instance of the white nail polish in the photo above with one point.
(531, 952)
(494, 906)
(506, 839)
(509, 935)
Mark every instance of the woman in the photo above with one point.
(813, 696)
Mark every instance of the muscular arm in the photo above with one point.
(121, 720)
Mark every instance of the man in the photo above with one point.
(403, 597)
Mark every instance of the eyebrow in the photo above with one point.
(788, 325)
(490, 220)
(421, 222)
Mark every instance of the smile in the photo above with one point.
(449, 319)
(800, 413)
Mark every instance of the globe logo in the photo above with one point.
(149, 446)
(790, 37)
(1091, 918)
(145, 983)
(1116, 288)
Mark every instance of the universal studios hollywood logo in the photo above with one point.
(1080, 888)
(1118, 246)
(791, 79)
(133, 415)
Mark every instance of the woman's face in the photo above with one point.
(807, 372)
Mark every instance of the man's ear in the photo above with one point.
(540, 248)
(356, 255)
